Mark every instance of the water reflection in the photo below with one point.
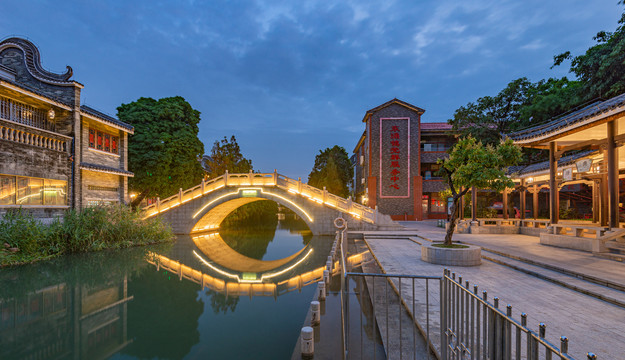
(163, 301)
(67, 308)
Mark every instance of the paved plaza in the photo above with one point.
(552, 288)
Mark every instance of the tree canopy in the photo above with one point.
(164, 150)
(472, 164)
(225, 155)
(602, 68)
(333, 170)
(520, 104)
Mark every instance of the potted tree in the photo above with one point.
(470, 164)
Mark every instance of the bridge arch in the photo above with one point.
(215, 210)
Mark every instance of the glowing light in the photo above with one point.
(232, 276)
(212, 202)
(269, 276)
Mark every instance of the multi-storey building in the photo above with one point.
(395, 162)
(54, 153)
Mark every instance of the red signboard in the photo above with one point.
(394, 157)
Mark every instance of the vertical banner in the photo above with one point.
(394, 157)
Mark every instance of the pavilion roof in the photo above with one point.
(569, 123)
(544, 165)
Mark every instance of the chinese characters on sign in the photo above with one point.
(394, 157)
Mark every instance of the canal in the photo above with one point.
(237, 294)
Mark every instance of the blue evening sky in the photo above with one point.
(289, 78)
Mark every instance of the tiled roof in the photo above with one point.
(32, 59)
(105, 169)
(391, 102)
(435, 126)
(542, 166)
(34, 91)
(568, 122)
(106, 118)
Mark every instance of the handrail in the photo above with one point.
(264, 179)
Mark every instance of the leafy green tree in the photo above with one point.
(333, 170)
(520, 104)
(225, 155)
(163, 152)
(470, 164)
(602, 68)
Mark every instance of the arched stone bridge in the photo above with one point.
(204, 207)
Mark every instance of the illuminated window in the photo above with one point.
(7, 190)
(103, 141)
(24, 191)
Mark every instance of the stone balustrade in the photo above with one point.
(32, 137)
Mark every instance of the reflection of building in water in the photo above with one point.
(62, 321)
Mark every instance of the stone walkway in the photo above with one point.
(589, 323)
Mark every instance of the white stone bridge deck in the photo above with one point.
(203, 207)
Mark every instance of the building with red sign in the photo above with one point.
(54, 153)
(395, 162)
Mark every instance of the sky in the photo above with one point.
(290, 78)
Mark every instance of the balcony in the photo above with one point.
(20, 113)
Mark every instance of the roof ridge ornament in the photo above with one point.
(32, 59)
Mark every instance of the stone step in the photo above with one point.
(585, 277)
(607, 294)
(611, 256)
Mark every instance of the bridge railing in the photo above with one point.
(264, 179)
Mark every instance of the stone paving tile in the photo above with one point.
(529, 247)
(589, 323)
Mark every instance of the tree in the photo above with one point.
(471, 164)
(333, 170)
(164, 149)
(520, 104)
(602, 68)
(225, 155)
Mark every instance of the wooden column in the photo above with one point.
(474, 203)
(505, 203)
(522, 199)
(535, 201)
(553, 187)
(596, 209)
(603, 199)
(613, 188)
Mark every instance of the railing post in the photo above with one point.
(275, 177)
(203, 186)
(299, 185)
(251, 177)
(349, 204)
(226, 178)
(180, 195)
(325, 194)
(158, 204)
(443, 310)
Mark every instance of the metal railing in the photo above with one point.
(474, 328)
(469, 326)
(25, 114)
(266, 180)
(384, 293)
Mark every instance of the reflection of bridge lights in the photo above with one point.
(269, 276)
(232, 276)
(251, 281)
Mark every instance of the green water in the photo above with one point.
(124, 305)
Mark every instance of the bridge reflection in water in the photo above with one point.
(213, 264)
